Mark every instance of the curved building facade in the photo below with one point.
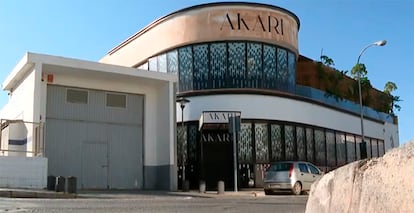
(243, 59)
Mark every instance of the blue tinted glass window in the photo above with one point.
(303, 168)
(218, 65)
(200, 67)
(290, 143)
(230, 65)
(186, 68)
(282, 69)
(237, 65)
(172, 61)
(300, 143)
(262, 142)
(254, 65)
(313, 169)
(291, 72)
(269, 67)
(276, 142)
(245, 148)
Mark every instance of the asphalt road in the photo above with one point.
(157, 203)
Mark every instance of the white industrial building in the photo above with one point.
(107, 125)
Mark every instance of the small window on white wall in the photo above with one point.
(76, 96)
(115, 100)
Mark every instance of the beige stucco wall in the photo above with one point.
(205, 24)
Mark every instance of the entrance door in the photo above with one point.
(95, 165)
(218, 160)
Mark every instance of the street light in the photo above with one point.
(378, 43)
(182, 101)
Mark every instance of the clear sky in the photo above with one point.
(87, 29)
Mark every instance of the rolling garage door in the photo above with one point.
(95, 136)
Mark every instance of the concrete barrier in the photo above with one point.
(220, 187)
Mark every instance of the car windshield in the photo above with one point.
(280, 167)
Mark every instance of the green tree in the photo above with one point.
(392, 100)
(365, 82)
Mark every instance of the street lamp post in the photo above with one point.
(378, 43)
(182, 101)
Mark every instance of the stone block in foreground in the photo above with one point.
(384, 184)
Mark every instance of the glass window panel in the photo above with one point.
(192, 142)
(290, 143)
(254, 65)
(282, 69)
(116, 100)
(374, 147)
(152, 64)
(340, 148)
(350, 147)
(303, 168)
(162, 63)
(269, 67)
(277, 142)
(310, 148)
(358, 141)
(320, 147)
(369, 155)
(200, 66)
(143, 66)
(245, 144)
(76, 96)
(262, 143)
(186, 68)
(300, 142)
(313, 169)
(181, 144)
(291, 72)
(381, 151)
(237, 64)
(330, 148)
(172, 61)
(218, 65)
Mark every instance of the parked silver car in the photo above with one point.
(294, 176)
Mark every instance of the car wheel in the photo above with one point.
(297, 188)
(268, 192)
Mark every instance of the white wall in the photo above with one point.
(20, 106)
(23, 172)
(284, 109)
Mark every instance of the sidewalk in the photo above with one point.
(121, 194)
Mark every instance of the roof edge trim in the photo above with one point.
(214, 4)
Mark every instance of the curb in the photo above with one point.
(30, 194)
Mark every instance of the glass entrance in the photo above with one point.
(217, 159)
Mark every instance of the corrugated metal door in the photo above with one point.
(99, 144)
(95, 165)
